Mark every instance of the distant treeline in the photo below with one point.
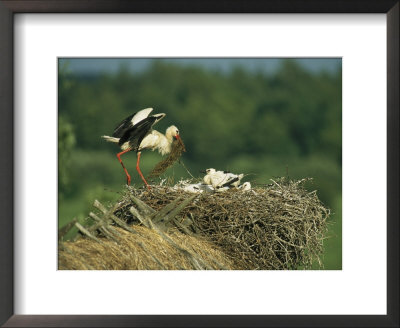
(288, 122)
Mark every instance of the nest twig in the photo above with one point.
(177, 148)
(279, 226)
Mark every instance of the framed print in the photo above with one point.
(251, 92)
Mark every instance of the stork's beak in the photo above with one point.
(203, 172)
(177, 137)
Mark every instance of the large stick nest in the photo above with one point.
(278, 226)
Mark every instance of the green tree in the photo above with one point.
(66, 143)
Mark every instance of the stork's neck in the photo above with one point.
(169, 137)
(157, 141)
(164, 143)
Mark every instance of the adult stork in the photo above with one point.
(135, 133)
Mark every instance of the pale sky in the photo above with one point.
(266, 65)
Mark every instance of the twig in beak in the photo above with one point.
(181, 142)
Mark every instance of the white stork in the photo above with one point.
(136, 133)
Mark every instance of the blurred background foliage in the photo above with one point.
(263, 124)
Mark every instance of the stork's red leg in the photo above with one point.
(140, 172)
(128, 177)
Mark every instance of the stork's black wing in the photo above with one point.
(122, 127)
(229, 182)
(136, 133)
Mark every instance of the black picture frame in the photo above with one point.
(8, 127)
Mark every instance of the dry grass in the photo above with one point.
(143, 250)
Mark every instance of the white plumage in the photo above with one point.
(245, 186)
(226, 181)
(158, 141)
(141, 115)
(220, 179)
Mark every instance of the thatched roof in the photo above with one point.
(145, 249)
